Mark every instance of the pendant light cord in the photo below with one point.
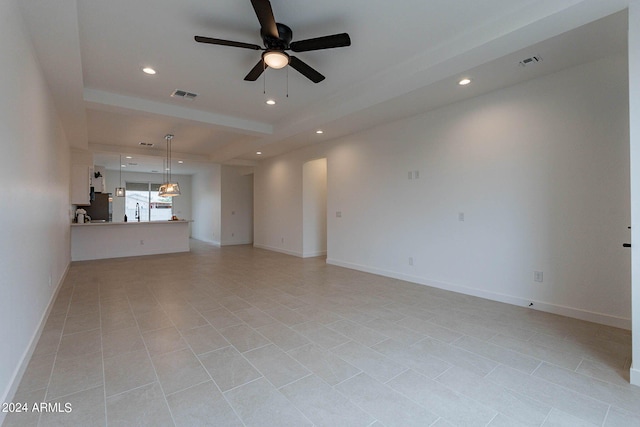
(167, 168)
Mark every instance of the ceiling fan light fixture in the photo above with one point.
(275, 59)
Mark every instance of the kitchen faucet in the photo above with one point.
(138, 211)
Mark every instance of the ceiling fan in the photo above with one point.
(277, 38)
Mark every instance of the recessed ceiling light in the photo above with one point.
(464, 82)
(270, 102)
(128, 157)
(319, 131)
(123, 166)
(149, 70)
(180, 161)
(259, 153)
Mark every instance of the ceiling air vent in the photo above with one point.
(184, 94)
(146, 144)
(530, 61)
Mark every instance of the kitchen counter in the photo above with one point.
(100, 240)
(102, 223)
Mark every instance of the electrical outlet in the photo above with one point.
(338, 214)
(461, 216)
(410, 175)
(416, 174)
(282, 240)
(538, 276)
(410, 260)
(142, 242)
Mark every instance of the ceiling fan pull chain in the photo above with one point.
(287, 82)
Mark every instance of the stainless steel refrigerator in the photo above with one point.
(100, 209)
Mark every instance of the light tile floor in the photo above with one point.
(238, 336)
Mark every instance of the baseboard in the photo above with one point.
(314, 254)
(26, 357)
(211, 242)
(590, 316)
(236, 243)
(274, 249)
(634, 376)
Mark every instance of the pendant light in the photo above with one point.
(168, 188)
(120, 191)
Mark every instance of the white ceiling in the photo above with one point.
(405, 58)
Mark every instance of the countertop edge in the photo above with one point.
(102, 224)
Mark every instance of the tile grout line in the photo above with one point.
(564, 388)
(104, 377)
(494, 417)
(606, 416)
(55, 357)
(153, 366)
(199, 361)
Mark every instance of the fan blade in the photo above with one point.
(326, 42)
(305, 70)
(221, 42)
(265, 17)
(255, 71)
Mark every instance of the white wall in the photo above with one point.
(314, 208)
(35, 213)
(634, 115)
(278, 201)
(236, 206)
(206, 204)
(182, 206)
(540, 171)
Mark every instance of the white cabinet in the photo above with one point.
(98, 183)
(80, 184)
